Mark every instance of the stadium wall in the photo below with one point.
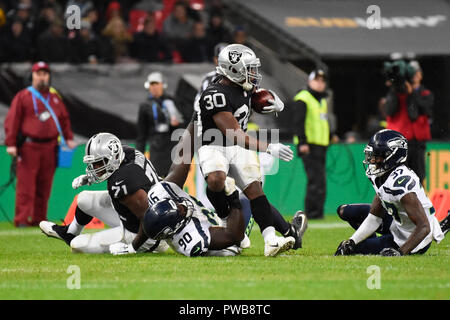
(346, 181)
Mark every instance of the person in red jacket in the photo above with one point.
(408, 109)
(31, 135)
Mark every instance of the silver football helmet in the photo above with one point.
(103, 156)
(239, 64)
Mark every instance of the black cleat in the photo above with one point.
(59, 232)
(445, 224)
(298, 227)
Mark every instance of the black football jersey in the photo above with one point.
(135, 172)
(218, 98)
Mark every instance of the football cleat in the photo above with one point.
(278, 245)
(59, 232)
(298, 227)
(445, 224)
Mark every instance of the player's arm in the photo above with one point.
(232, 131)
(138, 204)
(416, 213)
(184, 152)
(367, 228)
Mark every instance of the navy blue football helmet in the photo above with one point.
(386, 150)
(167, 217)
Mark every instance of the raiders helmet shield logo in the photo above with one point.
(234, 56)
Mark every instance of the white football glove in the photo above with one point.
(230, 186)
(120, 248)
(281, 151)
(82, 180)
(276, 104)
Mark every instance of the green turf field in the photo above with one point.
(33, 266)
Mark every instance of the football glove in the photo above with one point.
(82, 180)
(346, 248)
(280, 151)
(276, 104)
(390, 252)
(120, 248)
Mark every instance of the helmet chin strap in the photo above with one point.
(247, 86)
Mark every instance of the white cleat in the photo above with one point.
(245, 243)
(278, 245)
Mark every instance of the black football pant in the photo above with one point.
(315, 169)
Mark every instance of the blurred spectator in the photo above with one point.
(408, 109)
(192, 13)
(177, 27)
(195, 49)
(16, 43)
(113, 11)
(158, 117)
(240, 37)
(148, 44)
(216, 32)
(24, 12)
(92, 17)
(45, 19)
(53, 45)
(85, 5)
(87, 47)
(117, 32)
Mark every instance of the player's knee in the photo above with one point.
(340, 210)
(80, 243)
(85, 200)
(254, 190)
(216, 181)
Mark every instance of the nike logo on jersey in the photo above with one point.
(118, 182)
(401, 181)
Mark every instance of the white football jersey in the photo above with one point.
(194, 238)
(400, 182)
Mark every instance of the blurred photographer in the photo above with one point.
(408, 109)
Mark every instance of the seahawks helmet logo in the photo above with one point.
(234, 56)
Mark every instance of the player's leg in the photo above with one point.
(214, 167)
(295, 229)
(90, 204)
(233, 233)
(374, 245)
(97, 242)
(244, 168)
(356, 213)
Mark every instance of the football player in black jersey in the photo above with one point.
(299, 223)
(130, 176)
(222, 114)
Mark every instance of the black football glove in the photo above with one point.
(346, 248)
(390, 252)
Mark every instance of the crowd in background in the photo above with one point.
(171, 31)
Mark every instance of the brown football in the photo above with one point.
(260, 99)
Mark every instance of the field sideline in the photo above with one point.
(33, 266)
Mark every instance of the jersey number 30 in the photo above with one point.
(215, 100)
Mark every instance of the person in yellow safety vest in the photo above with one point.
(313, 138)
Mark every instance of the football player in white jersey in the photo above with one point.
(399, 194)
(187, 226)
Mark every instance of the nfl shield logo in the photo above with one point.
(234, 56)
